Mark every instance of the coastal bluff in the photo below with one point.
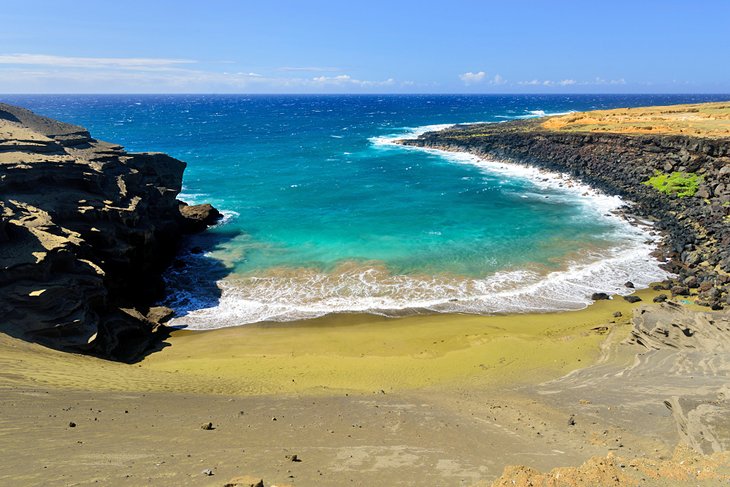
(86, 230)
(620, 151)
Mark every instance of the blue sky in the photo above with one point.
(277, 46)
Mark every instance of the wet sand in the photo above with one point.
(361, 400)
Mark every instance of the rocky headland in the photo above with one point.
(86, 230)
(620, 151)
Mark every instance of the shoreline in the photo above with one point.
(618, 163)
(515, 290)
(436, 348)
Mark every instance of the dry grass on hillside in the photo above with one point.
(700, 120)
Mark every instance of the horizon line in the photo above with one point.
(368, 94)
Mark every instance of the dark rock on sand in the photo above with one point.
(632, 299)
(680, 291)
(86, 230)
(599, 296)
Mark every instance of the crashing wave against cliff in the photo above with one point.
(85, 231)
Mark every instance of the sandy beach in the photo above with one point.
(360, 400)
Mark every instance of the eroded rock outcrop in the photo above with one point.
(85, 231)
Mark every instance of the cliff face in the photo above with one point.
(698, 227)
(85, 231)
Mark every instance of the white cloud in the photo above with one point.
(50, 73)
(481, 77)
(472, 78)
(346, 79)
(38, 73)
(91, 62)
(601, 81)
(498, 80)
(571, 82)
(310, 69)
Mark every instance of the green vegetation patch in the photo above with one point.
(680, 184)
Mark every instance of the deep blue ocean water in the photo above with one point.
(324, 214)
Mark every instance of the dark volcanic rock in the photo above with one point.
(697, 228)
(599, 296)
(680, 291)
(85, 231)
(197, 218)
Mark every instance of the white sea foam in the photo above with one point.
(228, 216)
(534, 114)
(191, 198)
(301, 294)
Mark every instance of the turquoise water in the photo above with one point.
(324, 214)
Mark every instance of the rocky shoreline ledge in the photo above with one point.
(696, 228)
(86, 230)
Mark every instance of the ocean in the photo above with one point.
(324, 214)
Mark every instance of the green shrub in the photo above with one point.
(681, 184)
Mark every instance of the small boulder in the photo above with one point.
(680, 290)
(207, 472)
(705, 286)
(632, 298)
(207, 426)
(599, 296)
(196, 218)
(660, 298)
(617, 314)
(629, 284)
(692, 282)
